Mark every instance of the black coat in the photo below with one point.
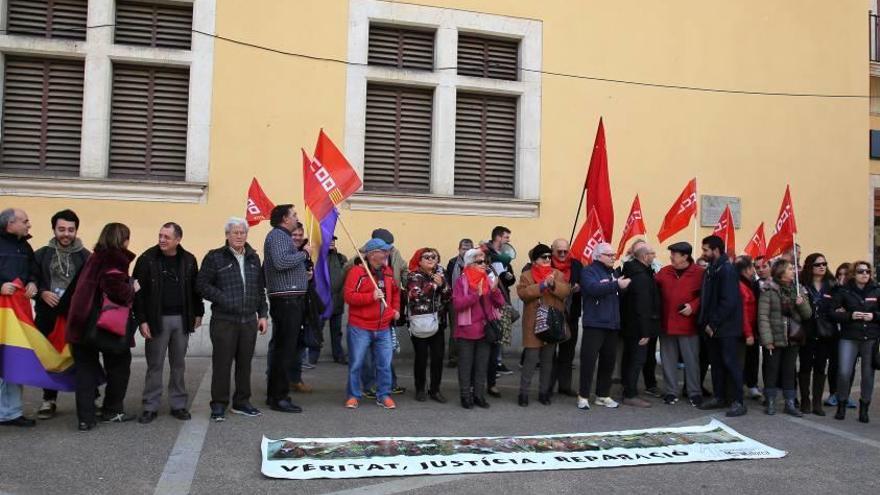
(848, 299)
(219, 281)
(16, 259)
(720, 302)
(45, 315)
(148, 301)
(640, 306)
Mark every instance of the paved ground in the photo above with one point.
(170, 456)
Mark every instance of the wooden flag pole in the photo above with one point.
(361, 256)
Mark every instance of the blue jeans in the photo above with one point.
(368, 374)
(10, 400)
(376, 344)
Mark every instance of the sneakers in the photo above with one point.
(607, 402)
(386, 403)
(46, 410)
(636, 402)
(351, 403)
(493, 391)
(737, 409)
(301, 388)
(502, 369)
(370, 394)
(583, 403)
(755, 394)
(696, 401)
(670, 399)
(397, 390)
(115, 417)
(307, 365)
(246, 410)
(218, 413)
(831, 400)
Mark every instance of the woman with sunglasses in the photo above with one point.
(817, 349)
(476, 299)
(857, 310)
(541, 284)
(427, 295)
(840, 276)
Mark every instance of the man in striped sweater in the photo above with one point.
(286, 285)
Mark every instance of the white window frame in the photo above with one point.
(99, 54)
(445, 83)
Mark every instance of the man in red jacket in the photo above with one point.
(372, 310)
(679, 284)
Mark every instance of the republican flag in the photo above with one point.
(635, 225)
(725, 230)
(588, 238)
(598, 184)
(259, 207)
(786, 228)
(681, 212)
(328, 180)
(757, 246)
(26, 356)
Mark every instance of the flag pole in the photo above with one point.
(797, 282)
(695, 230)
(577, 215)
(361, 256)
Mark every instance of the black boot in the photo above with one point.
(792, 409)
(523, 400)
(841, 409)
(818, 387)
(804, 382)
(467, 401)
(544, 399)
(770, 397)
(863, 410)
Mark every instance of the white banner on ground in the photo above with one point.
(313, 458)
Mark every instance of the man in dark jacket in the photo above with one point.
(168, 308)
(336, 262)
(231, 277)
(640, 314)
(58, 264)
(600, 290)
(16, 265)
(453, 271)
(721, 318)
(571, 269)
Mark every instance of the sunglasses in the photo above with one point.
(820, 265)
(545, 257)
(562, 252)
(429, 257)
(479, 262)
(863, 271)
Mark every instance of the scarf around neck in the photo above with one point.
(475, 276)
(562, 266)
(541, 272)
(61, 269)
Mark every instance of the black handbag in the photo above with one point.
(492, 332)
(550, 324)
(825, 329)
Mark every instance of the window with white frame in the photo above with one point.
(106, 98)
(443, 106)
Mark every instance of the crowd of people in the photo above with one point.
(794, 327)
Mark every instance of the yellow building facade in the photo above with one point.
(746, 96)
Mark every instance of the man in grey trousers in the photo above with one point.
(168, 308)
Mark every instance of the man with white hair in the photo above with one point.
(600, 290)
(16, 265)
(231, 278)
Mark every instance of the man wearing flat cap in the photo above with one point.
(679, 284)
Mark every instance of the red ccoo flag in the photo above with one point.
(635, 225)
(598, 184)
(757, 246)
(588, 238)
(786, 228)
(679, 216)
(258, 205)
(725, 230)
(334, 176)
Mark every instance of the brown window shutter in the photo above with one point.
(48, 18)
(156, 25)
(494, 58)
(485, 145)
(42, 116)
(403, 48)
(149, 122)
(397, 141)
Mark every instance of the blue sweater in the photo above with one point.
(600, 296)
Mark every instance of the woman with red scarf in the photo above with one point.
(427, 295)
(541, 284)
(476, 299)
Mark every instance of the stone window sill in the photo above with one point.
(111, 189)
(444, 205)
